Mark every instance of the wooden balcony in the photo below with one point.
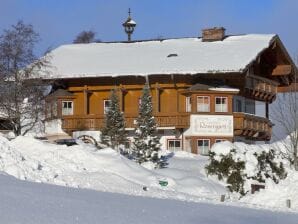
(260, 88)
(95, 122)
(252, 127)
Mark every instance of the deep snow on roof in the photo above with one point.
(232, 54)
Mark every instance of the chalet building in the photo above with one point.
(204, 90)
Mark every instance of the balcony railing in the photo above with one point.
(245, 125)
(95, 122)
(260, 88)
(252, 127)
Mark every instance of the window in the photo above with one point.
(174, 144)
(67, 108)
(203, 146)
(188, 104)
(220, 140)
(250, 106)
(106, 106)
(221, 104)
(238, 105)
(203, 104)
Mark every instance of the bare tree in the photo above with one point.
(21, 98)
(285, 115)
(85, 37)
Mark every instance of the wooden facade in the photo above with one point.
(177, 98)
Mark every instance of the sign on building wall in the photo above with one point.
(211, 125)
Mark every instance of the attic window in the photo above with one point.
(172, 55)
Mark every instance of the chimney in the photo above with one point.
(213, 34)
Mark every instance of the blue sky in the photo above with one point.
(59, 21)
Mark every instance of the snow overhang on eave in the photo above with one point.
(83, 76)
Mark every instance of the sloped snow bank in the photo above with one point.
(86, 167)
(274, 195)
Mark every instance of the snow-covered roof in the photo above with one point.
(171, 56)
(201, 86)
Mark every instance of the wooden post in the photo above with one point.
(288, 203)
(157, 95)
(222, 198)
(85, 99)
(178, 103)
(193, 103)
(121, 98)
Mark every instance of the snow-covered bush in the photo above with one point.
(240, 166)
(228, 169)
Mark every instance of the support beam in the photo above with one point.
(282, 70)
(85, 99)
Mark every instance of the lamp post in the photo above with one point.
(129, 26)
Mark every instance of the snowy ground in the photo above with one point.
(84, 166)
(27, 202)
(105, 170)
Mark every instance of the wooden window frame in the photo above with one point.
(62, 107)
(200, 151)
(188, 105)
(174, 149)
(105, 108)
(227, 104)
(203, 111)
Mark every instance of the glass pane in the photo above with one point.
(203, 104)
(174, 144)
(171, 144)
(200, 143)
(218, 108)
(200, 100)
(188, 104)
(224, 108)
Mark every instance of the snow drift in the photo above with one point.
(83, 166)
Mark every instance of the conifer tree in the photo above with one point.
(113, 133)
(146, 140)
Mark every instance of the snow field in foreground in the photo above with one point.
(84, 166)
(31, 203)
